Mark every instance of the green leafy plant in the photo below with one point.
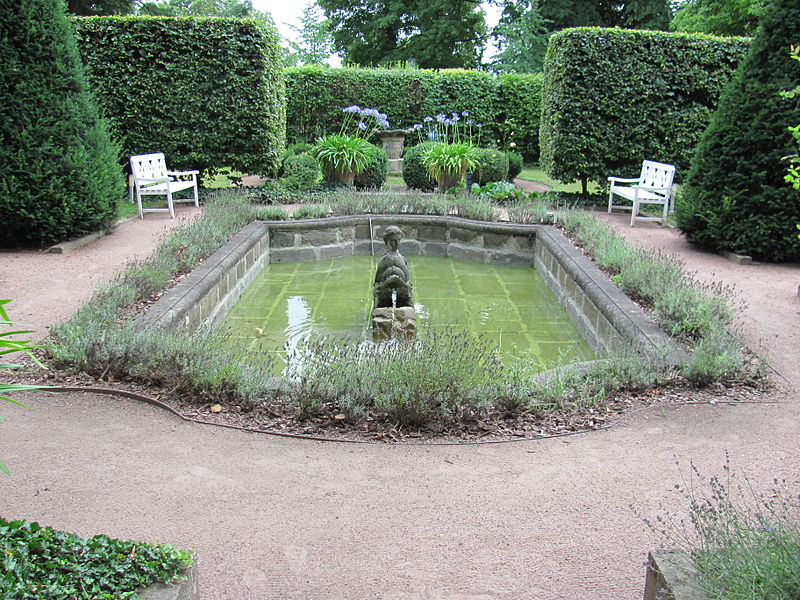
(41, 563)
(301, 172)
(499, 191)
(10, 344)
(272, 213)
(514, 165)
(415, 175)
(345, 152)
(451, 160)
(491, 165)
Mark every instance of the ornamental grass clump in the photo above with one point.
(347, 153)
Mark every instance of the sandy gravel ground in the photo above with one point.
(281, 519)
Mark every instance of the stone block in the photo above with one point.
(434, 249)
(318, 237)
(432, 234)
(459, 234)
(394, 323)
(292, 254)
(495, 240)
(282, 239)
(336, 251)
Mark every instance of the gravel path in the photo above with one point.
(282, 519)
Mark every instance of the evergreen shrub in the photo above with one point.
(736, 196)
(59, 171)
(514, 165)
(374, 175)
(208, 92)
(415, 175)
(613, 97)
(301, 171)
(492, 165)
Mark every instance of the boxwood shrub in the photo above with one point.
(414, 174)
(492, 166)
(613, 97)
(208, 92)
(374, 176)
(514, 165)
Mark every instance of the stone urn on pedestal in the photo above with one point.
(393, 141)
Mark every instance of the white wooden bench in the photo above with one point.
(653, 186)
(151, 178)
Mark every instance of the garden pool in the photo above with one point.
(509, 306)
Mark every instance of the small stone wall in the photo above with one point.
(204, 296)
(602, 313)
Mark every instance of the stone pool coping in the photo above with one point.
(603, 314)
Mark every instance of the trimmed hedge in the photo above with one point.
(508, 106)
(59, 170)
(736, 196)
(613, 97)
(208, 92)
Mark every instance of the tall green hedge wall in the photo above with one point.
(507, 106)
(207, 92)
(613, 97)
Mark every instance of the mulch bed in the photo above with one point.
(281, 417)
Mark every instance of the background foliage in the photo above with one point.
(508, 106)
(208, 92)
(434, 34)
(736, 196)
(59, 175)
(613, 97)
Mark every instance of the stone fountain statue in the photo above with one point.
(393, 314)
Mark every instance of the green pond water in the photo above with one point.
(509, 306)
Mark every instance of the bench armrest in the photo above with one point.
(623, 180)
(183, 172)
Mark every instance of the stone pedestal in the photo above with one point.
(393, 141)
(394, 323)
(395, 166)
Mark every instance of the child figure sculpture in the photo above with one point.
(391, 276)
(393, 314)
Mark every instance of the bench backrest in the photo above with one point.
(149, 166)
(656, 174)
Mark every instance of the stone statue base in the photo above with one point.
(394, 323)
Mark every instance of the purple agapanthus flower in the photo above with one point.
(465, 114)
(455, 117)
(428, 119)
(362, 126)
(441, 117)
(417, 126)
(352, 109)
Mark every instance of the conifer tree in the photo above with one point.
(736, 197)
(59, 170)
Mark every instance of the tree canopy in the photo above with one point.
(430, 33)
(521, 37)
(631, 14)
(314, 39)
(718, 17)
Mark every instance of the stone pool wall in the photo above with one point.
(602, 313)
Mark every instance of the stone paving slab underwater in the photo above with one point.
(510, 306)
